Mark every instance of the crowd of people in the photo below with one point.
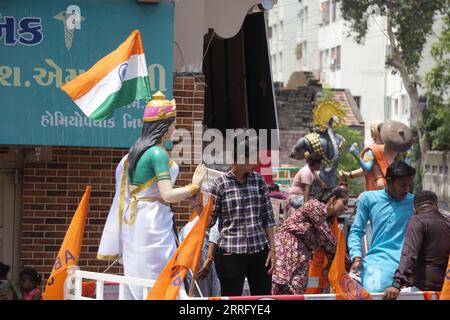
(409, 248)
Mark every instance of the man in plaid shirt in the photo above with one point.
(246, 221)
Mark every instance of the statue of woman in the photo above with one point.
(139, 225)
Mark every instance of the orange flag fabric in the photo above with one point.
(316, 272)
(445, 293)
(341, 283)
(70, 251)
(318, 264)
(187, 256)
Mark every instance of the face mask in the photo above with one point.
(168, 145)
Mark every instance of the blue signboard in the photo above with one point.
(46, 43)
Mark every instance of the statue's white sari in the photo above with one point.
(139, 229)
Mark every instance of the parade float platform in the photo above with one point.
(84, 285)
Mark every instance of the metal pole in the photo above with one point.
(113, 263)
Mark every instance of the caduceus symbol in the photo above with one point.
(72, 20)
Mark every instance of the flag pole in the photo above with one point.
(193, 284)
(113, 263)
(194, 281)
(194, 277)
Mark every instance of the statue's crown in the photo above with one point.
(158, 108)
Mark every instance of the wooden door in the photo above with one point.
(7, 221)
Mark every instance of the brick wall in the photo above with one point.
(295, 118)
(51, 193)
(189, 93)
(52, 190)
(295, 114)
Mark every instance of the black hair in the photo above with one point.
(31, 274)
(4, 269)
(314, 158)
(425, 196)
(273, 187)
(249, 144)
(326, 194)
(151, 135)
(399, 169)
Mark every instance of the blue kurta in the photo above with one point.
(388, 218)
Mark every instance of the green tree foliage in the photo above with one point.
(327, 94)
(409, 23)
(437, 115)
(348, 162)
(412, 22)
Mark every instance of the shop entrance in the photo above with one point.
(10, 210)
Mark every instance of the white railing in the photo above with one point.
(375, 296)
(73, 287)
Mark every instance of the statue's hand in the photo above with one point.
(343, 175)
(354, 150)
(199, 175)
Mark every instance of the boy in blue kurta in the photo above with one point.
(388, 211)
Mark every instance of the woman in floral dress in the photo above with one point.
(302, 233)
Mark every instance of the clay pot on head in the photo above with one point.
(396, 136)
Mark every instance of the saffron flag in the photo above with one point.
(69, 252)
(317, 279)
(445, 293)
(116, 80)
(341, 283)
(187, 256)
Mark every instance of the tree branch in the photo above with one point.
(396, 60)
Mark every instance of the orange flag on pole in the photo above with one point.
(69, 252)
(445, 293)
(317, 279)
(341, 283)
(187, 256)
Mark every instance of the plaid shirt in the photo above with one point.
(244, 211)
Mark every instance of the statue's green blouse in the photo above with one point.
(153, 163)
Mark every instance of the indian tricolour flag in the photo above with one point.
(113, 82)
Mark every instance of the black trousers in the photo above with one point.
(233, 268)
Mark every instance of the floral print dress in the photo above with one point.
(304, 231)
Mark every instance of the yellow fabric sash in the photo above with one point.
(133, 206)
(134, 199)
